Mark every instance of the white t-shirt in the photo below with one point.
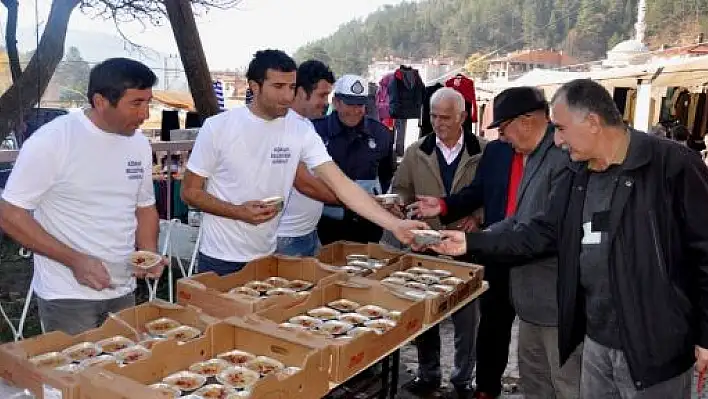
(301, 212)
(84, 186)
(246, 158)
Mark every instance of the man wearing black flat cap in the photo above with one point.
(521, 115)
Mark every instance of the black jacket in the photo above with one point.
(405, 93)
(363, 152)
(658, 255)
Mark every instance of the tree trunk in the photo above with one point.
(11, 39)
(190, 48)
(28, 90)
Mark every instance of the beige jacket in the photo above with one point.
(419, 172)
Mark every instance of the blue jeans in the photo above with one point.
(306, 245)
(218, 266)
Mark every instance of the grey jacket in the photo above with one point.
(533, 285)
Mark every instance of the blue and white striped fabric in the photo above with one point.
(219, 91)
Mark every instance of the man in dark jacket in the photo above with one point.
(363, 149)
(627, 223)
(521, 114)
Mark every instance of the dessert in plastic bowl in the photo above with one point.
(82, 351)
(372, 311)
(115, 344)
(428, 279)
(324, 313)
(280, 291)
(403, 275)
(418, 270)
(336, 327)
(145, 259)
(185, 380)
(354, 318)
(276, 201)
(98, 360)
(183, 333)
(167, 389)
(344, 305)
(394, 281)
(210, 368)
(264, 365)
(237, 357)
(381, 325)
(260, 286)
(299, 285)
(214, 391)
(305, 321)
(357, 331)
(239, 377)
(50, 360)
(247, 291)
(132, 354)
(277, 282)
(161, 326)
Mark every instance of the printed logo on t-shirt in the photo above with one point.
(135, 170)
(280, 155)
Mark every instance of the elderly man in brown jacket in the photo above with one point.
(439, 165)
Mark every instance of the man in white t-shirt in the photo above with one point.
(86, 177)
(250, 153)
(297, 231)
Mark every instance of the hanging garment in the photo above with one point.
(425, 126)
(406, 93)
(371, 108)
(465, 86)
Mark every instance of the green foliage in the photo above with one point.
(584, 29)
(72, 76)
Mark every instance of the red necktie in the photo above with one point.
(517, 172)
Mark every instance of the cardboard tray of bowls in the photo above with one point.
(357, 259)
(360, 318)
(265, 282)
(232, 360)
(49, 365)
(443, 283)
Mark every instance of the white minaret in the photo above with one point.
(641, 26)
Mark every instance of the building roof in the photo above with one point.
(695, 49)
(546, 57)
(630, 46)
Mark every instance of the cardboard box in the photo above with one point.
(436, 308)
(206, 291)
(131, 381)
(16, 368)
(335, 254)
(352, 356)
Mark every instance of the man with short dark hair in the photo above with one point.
(248, 154)
(625, 219)
(87, 178)
(297, 231)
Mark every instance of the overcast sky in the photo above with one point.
(229, 37)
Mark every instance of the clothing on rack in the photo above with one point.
(465, 86)
(406, 93)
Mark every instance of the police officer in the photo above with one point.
(363, 148)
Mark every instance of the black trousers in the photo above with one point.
(494, 335)
(352, 228)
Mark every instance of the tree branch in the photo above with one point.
(11, 39)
